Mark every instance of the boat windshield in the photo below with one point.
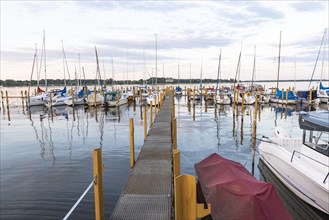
(318, 141)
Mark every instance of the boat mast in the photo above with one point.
(295, 74)
(277, 79)
(156, 62)
(324, 34)
(254, 70)
(178, 72)
(144, 67)
(44, 52)
(112, 74)
(36, 63)
(237, 68)
(218, 71)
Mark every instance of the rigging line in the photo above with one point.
(317, 57)
(79, 200)
(187, 159)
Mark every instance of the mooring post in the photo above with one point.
(174, 133)
(287, 96)
(151, 110)
(132, 143)
(140, 96)
(282, 96)
(186, 206)
(242, 104)
(310, 101)
(2, 101)
(98, 184)
(255, 118)
(50, 101)
(22, 96)
(173, 104)
(7, 100)
(72, 99)
(95, 97)
(7, 106)
(145, 123)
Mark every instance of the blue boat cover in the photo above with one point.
(322, 87)
(291, 95)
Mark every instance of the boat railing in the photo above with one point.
(295, 151)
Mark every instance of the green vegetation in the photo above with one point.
(150, 81)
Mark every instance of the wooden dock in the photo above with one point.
(148, 193)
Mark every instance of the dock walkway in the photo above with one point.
(148, 192)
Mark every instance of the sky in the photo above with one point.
(177, 38)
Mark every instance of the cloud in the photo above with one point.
(309, 6)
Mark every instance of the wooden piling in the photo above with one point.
(151, 110)
(145, 123)
(73, 99)
(310, 101)
(132, 143)
(2, 101)
(98, 184)
(242, 104)
(22, 96)
(287, 90)
(174, 130)
(282, 95)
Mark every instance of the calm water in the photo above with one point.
(46, 158)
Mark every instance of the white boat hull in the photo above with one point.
(38, 100)
(223, 100)
(302, 175)
(92, 101)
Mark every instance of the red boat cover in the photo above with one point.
(235, 194)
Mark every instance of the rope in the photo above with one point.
(79, 200)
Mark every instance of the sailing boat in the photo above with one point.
(323, 92)
(283, 97)
(178, 89)
(41, 96)
(223, 98)
(196, 94)
(114, 98)
(244, 96)
(95, 98)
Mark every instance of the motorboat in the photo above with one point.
(302, 164)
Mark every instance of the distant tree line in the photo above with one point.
(150, 81)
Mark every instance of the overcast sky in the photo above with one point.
(192, 32)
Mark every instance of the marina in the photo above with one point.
(51, 162)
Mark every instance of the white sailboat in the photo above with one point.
(95, 98)
(41, 96)
(222, 98)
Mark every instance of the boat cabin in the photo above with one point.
(315, 127)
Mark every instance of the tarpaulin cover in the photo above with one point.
(235, 194)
